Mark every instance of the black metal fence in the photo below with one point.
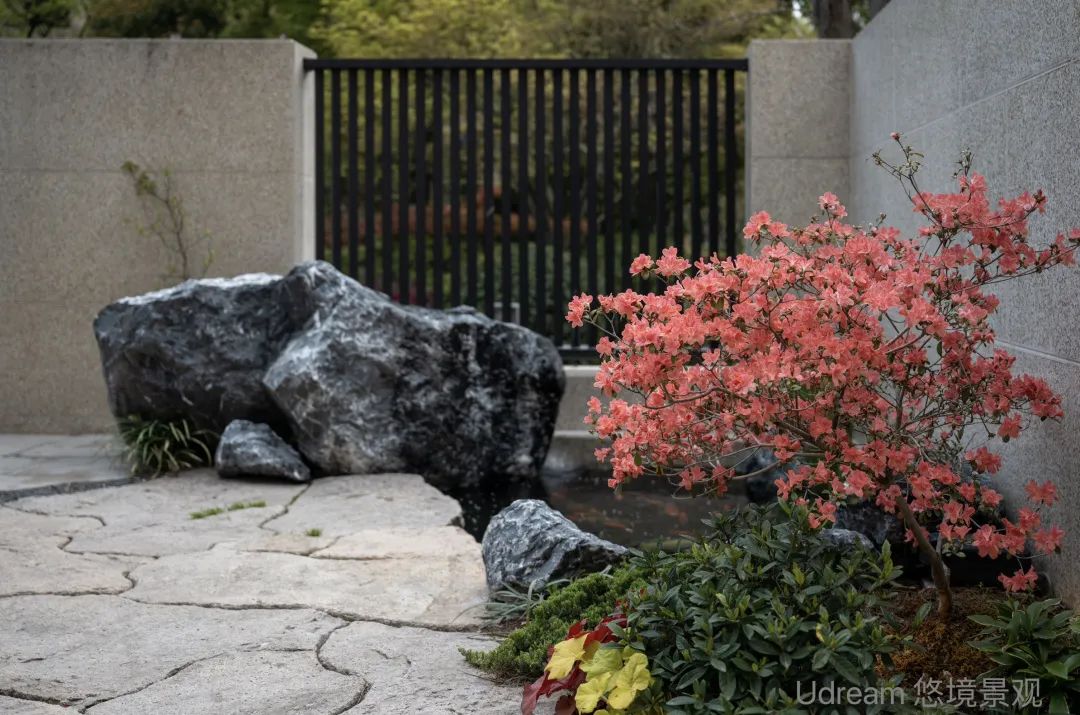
(511, 185)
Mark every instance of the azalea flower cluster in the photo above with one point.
(863, 359)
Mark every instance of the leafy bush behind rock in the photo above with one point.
(733, 623)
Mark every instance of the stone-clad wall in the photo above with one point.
(227, 118)
(1000, 78)
(797, 125)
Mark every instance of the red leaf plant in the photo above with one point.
(545, 686)
(863, 359)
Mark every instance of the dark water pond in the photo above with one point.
(642, 513)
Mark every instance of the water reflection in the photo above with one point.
(643, 512)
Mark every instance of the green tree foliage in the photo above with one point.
(658, 28)
(34, 18)
(422, 28)
(200, 18)
(552, 28)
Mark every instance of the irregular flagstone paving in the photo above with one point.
(408, 666)
(34, 559)
(249, 683)
(40, 464)
(352, 594)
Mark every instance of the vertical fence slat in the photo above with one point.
(506, 264)
(320, 174)
(369, 177)
(489, 191)
(557, 216)
(354, 178)
(387, 129)
(471, 201)
(574, 146)
(661, 160)
(335, 164)
(591, 191)
(695, 163)
(644, 225)
(730, 160)
(609, 181)
(401, 238)
(420, 186)
(714, 166)
(437, 185)
(523, 234)
(626, 199)
(677, 168)
(540, 188)
(556, 219)
(455, 186)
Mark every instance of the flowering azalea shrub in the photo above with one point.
(862, 358)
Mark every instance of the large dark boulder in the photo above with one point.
(357, 382)
(372, 386)
(529, 542)
(198, 350)
(247, 449)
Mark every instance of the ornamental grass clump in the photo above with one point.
(863, 359)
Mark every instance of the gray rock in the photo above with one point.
(248, 449)
(363, 385)
(372, 386)
(529, 542)
(846, 540)
(869, 520)
(197, 350)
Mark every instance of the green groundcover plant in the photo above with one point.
(1037, 641)
(746, 620)
(590, 599)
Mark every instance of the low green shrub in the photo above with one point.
(154, 447)
(760, 612)
(524, 652)
(1039, 641)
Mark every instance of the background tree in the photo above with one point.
(657, 28)
(422, 28)
(552, 28)
(35, 18)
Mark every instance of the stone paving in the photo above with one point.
(348, 595)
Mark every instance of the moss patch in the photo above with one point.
(522, 655)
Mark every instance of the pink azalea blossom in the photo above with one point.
(862, 352)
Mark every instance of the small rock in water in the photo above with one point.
(528, 542)
(248, 449)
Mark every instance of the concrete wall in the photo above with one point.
(1000, 78)
(226, 118)
(798, 96)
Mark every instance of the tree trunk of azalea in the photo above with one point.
(937, 564)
